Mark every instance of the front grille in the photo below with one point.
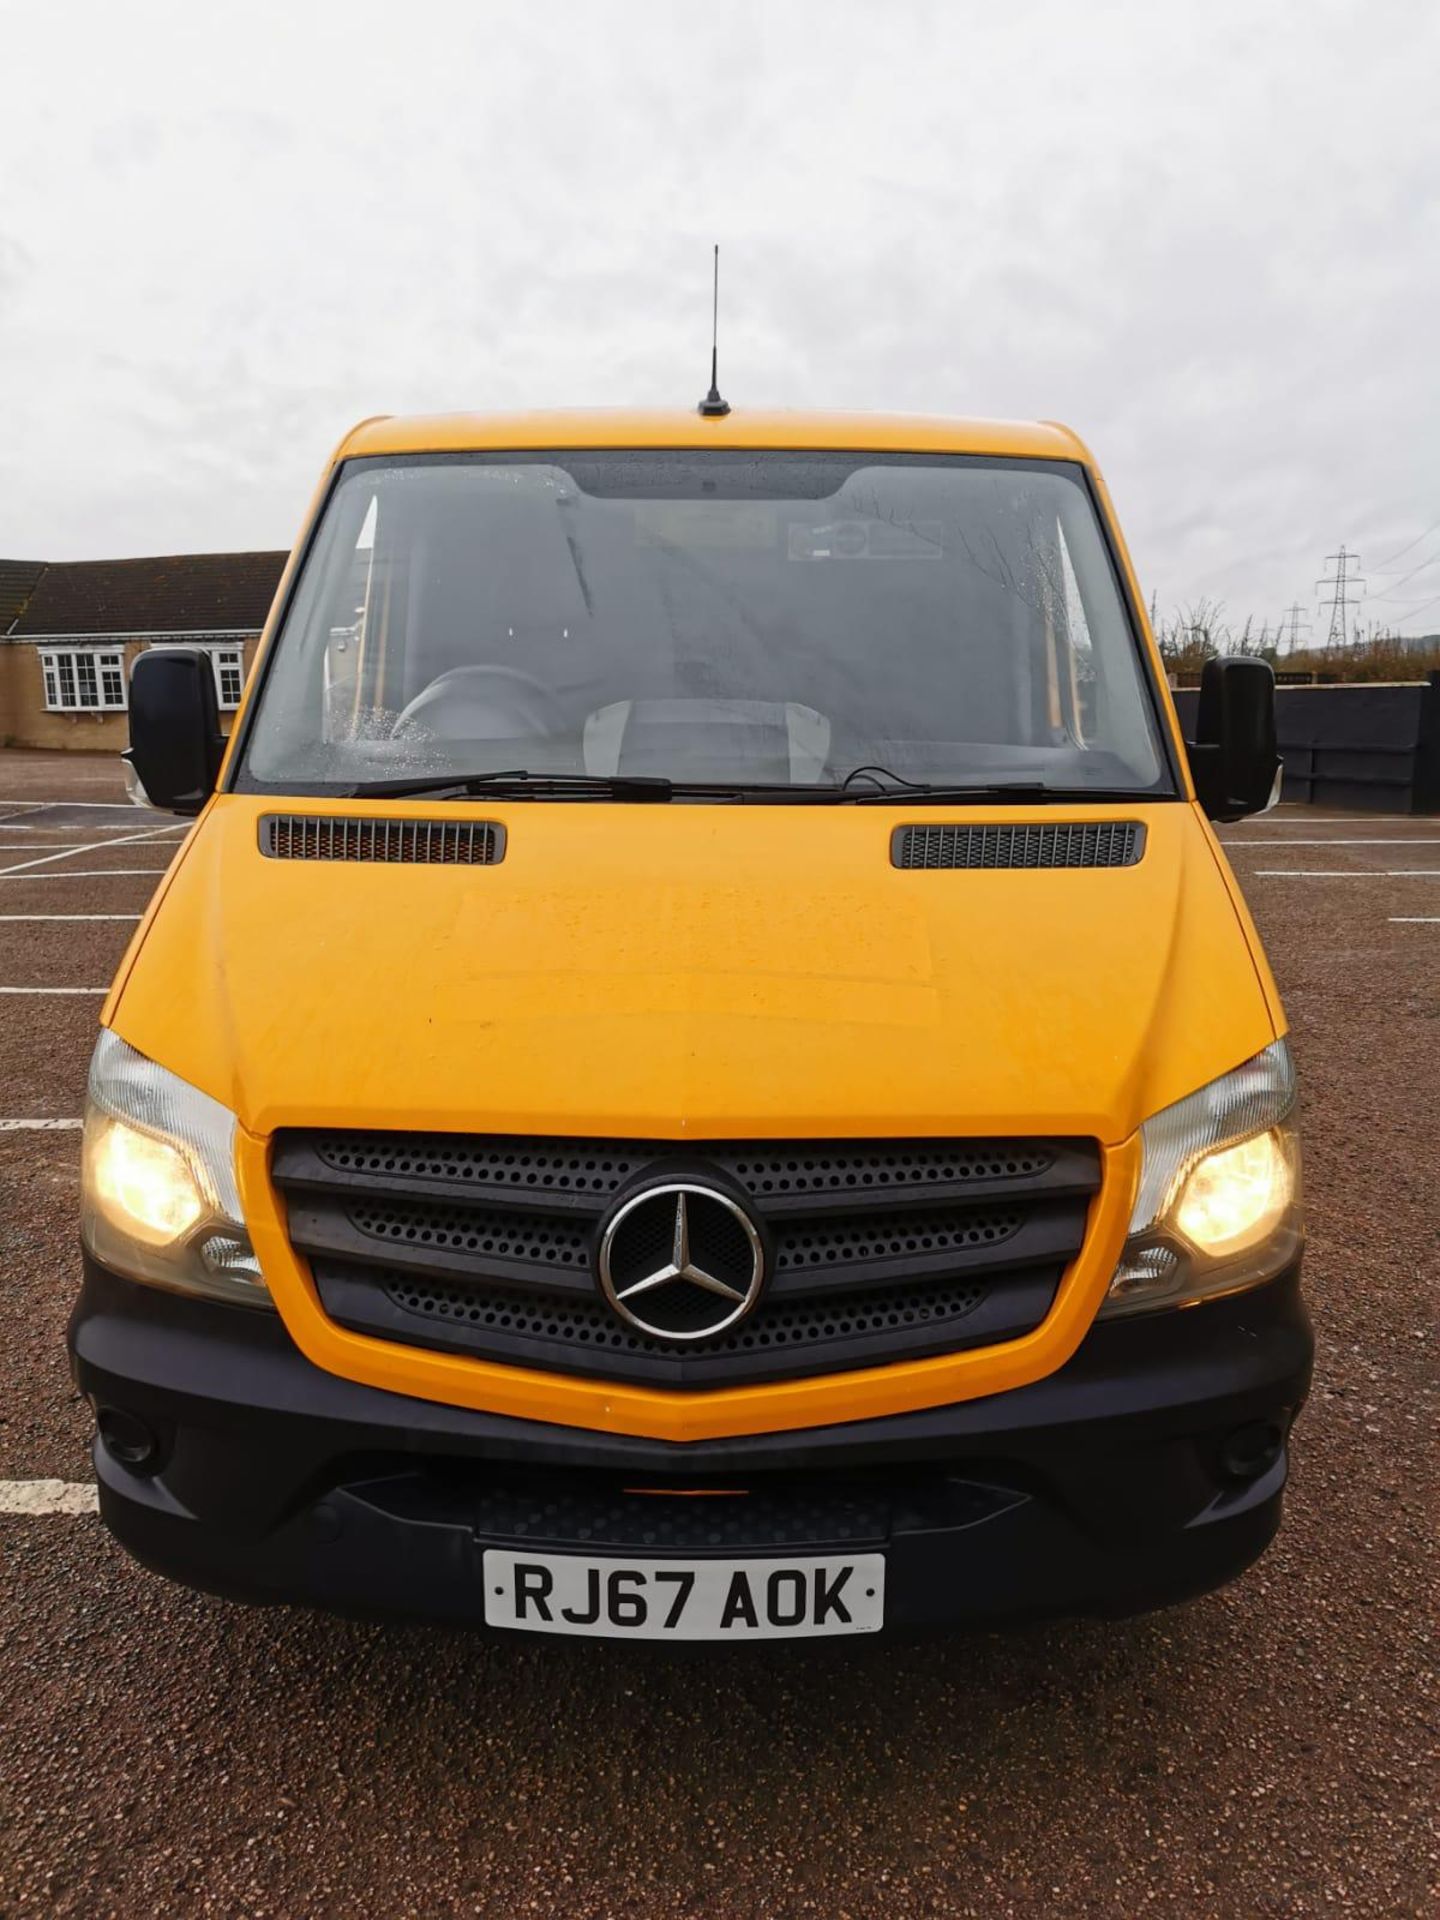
(1093, 843)
(878, 1251)
(439, 843)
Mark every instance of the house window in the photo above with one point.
(112, 680)
(229, 664)
(81, 680)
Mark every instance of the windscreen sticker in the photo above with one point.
(867, 540)
(733, 525)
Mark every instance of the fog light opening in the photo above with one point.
(1252, 1450)
(127, 1439)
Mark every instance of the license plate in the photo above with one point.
(678, 1600)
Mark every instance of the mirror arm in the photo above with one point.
(1207, 770)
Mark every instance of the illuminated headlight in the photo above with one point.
(1218, 1206)
(159, 1200)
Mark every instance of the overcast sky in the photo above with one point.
(1205, 235)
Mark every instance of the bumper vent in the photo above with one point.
(1093, 843)
(588, 1509)
(880, 1250)
(437, 843)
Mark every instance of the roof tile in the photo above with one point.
(173, 593)
(17, 583)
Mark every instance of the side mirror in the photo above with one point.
(175, 737)
(1234, 758)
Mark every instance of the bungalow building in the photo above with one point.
(70, 632)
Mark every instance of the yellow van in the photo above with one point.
(701, 1074)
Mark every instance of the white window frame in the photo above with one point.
(61, 675)
(62, 678)
(227, 658)
(227, 661)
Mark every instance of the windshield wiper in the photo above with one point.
(949, 793)
(519, 781)
(1025, 793)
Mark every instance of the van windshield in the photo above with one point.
(766, 619)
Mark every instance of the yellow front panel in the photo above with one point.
(692, 972)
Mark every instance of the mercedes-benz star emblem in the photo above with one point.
(681, 1261)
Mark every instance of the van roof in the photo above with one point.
(625, 427)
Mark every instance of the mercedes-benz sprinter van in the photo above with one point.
(701, 1074)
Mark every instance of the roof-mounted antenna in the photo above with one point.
(712, 407)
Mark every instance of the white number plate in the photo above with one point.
(673, 1600)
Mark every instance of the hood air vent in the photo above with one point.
(424, 843)
(1094, 843)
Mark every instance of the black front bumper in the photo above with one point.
(1148, 1469)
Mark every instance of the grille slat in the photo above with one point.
(1090, 843)
(581, 1336)
(584, 1176)
(877, 1250)
(448, 843)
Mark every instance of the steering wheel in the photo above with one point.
(457, 706)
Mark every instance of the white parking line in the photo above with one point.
(1408, 840)
(1330, 820)
(33, 1497)
(1347, 873)
(54, 989)
(11, 919)
(40, 1126)
(1259, 830)
(98, 826)
(84, 873)
(47, 859)
(1415, 920)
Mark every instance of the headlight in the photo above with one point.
(159, 1201)
(1218, 1207)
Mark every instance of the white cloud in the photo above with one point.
(1208, 235)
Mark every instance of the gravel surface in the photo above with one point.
(29, 775)
(45, 1046)
(43, 1428)
(1268, 1750)
(68, 889)
(61, 953)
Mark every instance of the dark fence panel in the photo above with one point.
(1355, 746)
